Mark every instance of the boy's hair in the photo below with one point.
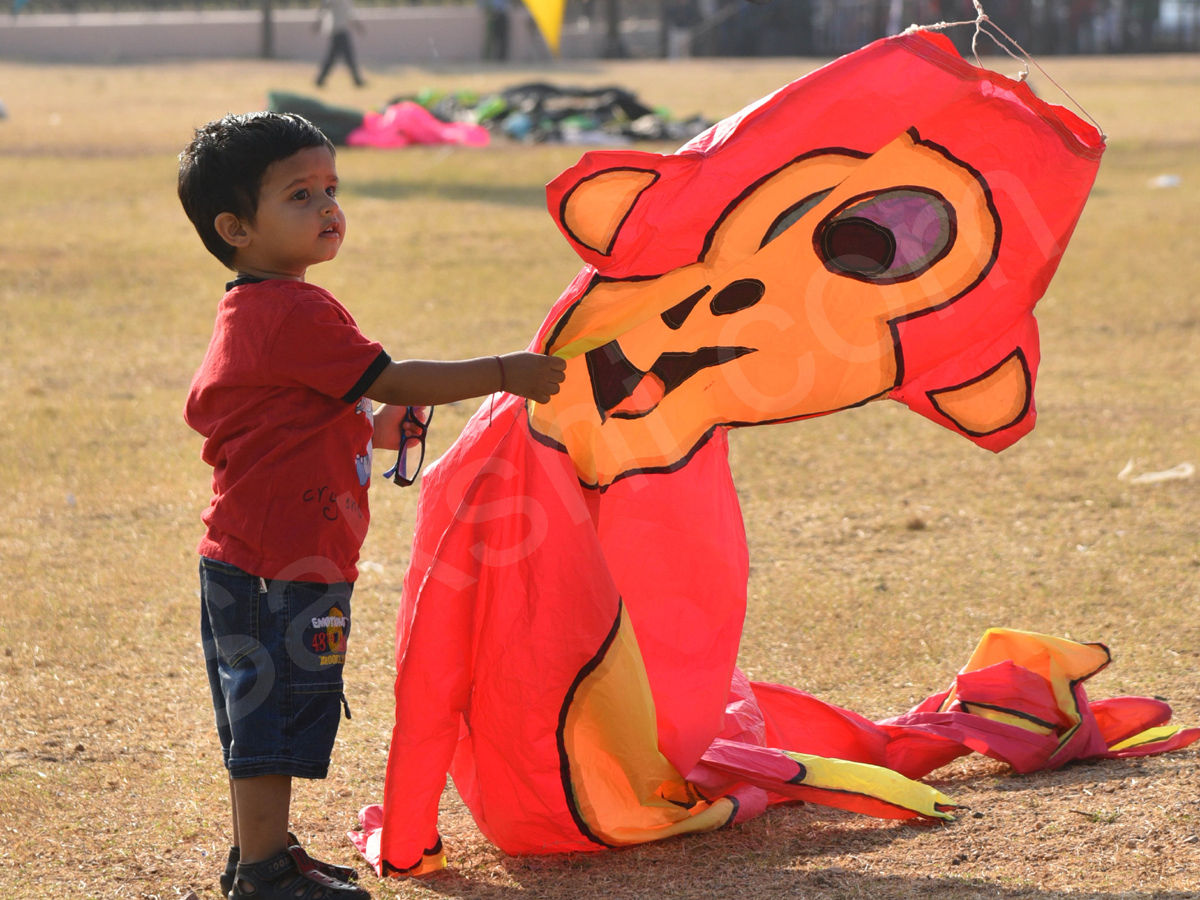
(222, 169)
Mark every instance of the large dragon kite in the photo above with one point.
(570, 620)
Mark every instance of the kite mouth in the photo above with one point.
(623, 391)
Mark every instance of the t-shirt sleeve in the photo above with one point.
(319, 346)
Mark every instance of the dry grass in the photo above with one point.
(110, 781)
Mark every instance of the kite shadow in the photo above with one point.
(498, 194)
(791, 851)
(736, 879)
(1107, 774)
(727, 865)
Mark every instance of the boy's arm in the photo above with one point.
(423, 382)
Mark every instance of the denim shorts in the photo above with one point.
(274, 651)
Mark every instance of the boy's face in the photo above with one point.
(298, 222)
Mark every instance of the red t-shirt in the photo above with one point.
(279, 399)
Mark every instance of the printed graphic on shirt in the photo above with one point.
(362, 462)
(327, 637)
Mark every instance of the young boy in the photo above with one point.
(282, 399)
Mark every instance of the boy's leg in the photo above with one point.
(233, 811)
(262, 805)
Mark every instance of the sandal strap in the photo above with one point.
(268, 870)
(312, 864)
(230, 870)
(280, 877)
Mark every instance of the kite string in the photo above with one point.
(981, 19)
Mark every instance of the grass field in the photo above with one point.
(882, 546)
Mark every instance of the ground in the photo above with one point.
(882, 546)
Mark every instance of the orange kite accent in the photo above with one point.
(570, 620)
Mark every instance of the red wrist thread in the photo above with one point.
(500, 363)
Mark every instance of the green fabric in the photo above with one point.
(335, 121)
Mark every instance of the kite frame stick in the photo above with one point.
(1025, 59)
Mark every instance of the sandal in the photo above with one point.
(305, 863)
(309, 864)
(235, 854)
(280, 878)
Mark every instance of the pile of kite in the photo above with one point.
(401, 124)
(535, 113)
(569, 624)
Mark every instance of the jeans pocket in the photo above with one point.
(317, 634)
(231, 599)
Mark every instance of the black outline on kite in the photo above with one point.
(564, 762)
(562, 207)
(893, 324)
(390, 869)
(1075, 682)
(1015, 713)
(823, 227)
(1019, 354)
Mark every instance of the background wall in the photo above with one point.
(423, 34)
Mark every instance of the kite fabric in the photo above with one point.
(406, 123)
(401, 124)
(570, 619)
(548, 14)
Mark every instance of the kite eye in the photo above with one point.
(736, 296)
(891, 236)
(792, 215)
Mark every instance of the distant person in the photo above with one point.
(336, 18)
(495, 29)
(681, 17)
(283, 400)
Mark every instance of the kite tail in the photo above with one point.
(1020, 700)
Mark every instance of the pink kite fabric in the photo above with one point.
(570, 620)
(402, 124)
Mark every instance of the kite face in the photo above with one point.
(880, 228)
(789, 312)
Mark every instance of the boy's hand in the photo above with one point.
(387, 427)
(533, 375)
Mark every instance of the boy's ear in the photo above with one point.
(231, 230)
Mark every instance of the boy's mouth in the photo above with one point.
(333, 229)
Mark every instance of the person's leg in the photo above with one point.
(489, 33)
(262, 805)
(270, 867)
(502, 35)
(352, 62)
(330, 57)
(235, 852)
(233, 810)
(342, 41)
(289, 729)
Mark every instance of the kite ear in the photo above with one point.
(594, 209)
(998, 399)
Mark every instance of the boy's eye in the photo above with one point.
(331, 190)
(300, 195)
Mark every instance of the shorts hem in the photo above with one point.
(297, 768)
